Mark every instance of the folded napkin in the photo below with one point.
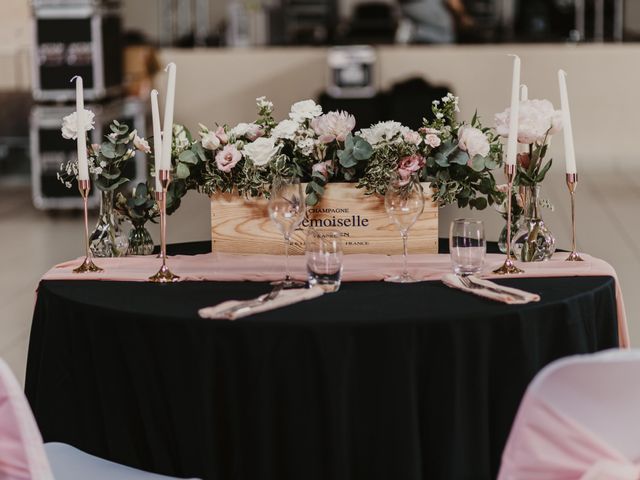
(506, 294)
(284, 298)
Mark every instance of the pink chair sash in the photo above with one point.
(22, 455)
(546, 443)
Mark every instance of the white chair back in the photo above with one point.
(22, 454)
(579, 419)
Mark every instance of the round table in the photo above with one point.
(377, 381)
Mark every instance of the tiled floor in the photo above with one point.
(32, 241)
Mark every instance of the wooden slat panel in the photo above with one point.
(243, 225)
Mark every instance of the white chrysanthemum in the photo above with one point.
(70, 124)
(180, 139)
(305, 110)
(384, 132)
(285, 129)
(333, 126)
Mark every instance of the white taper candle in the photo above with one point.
(167, 131)
(83, 166)
(512, 142)
(569, 149)
(157, 137)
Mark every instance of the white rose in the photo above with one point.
(304, 110)
(473, 141)
(70, 124)
(249, 130)
(285, 129)
(180, 139)
(141, 144)
(210, 140)
(261, 151)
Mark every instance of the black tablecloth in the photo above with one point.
(377, 381)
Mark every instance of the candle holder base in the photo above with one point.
(574, 257)
(87, 266)
(164, 275)
(508, 268)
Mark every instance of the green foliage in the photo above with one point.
(140, 207)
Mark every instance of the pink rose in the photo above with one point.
(227, 158)
(222, 135)
(412, 137)
(333, 126)
(408, 166)
(432, 140)
(322, 168)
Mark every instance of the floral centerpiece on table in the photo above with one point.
(320, 148)
(106, 163)
(538, 121)
(139, 208)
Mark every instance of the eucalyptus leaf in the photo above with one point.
(460, 158)
(319, 189)
(362, 150)
(188, 157)
(478, 163)
(108, 150)
(312, 199)
(182, 171)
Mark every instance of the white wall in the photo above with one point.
(15, 39)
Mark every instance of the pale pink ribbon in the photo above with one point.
(546, 444)
(22, 455)
(358, 267)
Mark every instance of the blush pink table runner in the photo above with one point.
(359, 267)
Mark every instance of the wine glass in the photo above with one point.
(287, 210)
(404, 202)
(467, 246)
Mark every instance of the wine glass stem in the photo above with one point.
(405, 269)
(286, 257)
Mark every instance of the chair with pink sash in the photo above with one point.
(579, 419)
(23, 456)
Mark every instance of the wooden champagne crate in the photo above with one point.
(241, 225)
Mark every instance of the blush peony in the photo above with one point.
(473, 141)
(535, 120)
(333, 126)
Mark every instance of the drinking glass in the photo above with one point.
(324, 259)
(467, 246)
(287, 210)
(404, 202)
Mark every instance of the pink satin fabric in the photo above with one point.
(547, 444)
(22, 455)
(359, 267)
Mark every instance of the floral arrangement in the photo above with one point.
(538, 121)
(106, 161)
(319, 148)
(140, 207)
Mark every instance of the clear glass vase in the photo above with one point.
(140, 240)
(107, 238)
(502, 239)
(533, 242)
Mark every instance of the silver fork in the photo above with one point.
(467, 282)
(253, 303)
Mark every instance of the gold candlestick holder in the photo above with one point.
(164, 275)
(572, 184)
(87, 266)
(508, 267)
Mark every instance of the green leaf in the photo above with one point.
(346, 158)
(112, 174)
(312, 199)
(543, 171)
(479, 203)
(319, 189)
(459, 158)
(349, 143)
(478, 163)
(188, 157)
(362, 150)
(108, 150)
(182, 171)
